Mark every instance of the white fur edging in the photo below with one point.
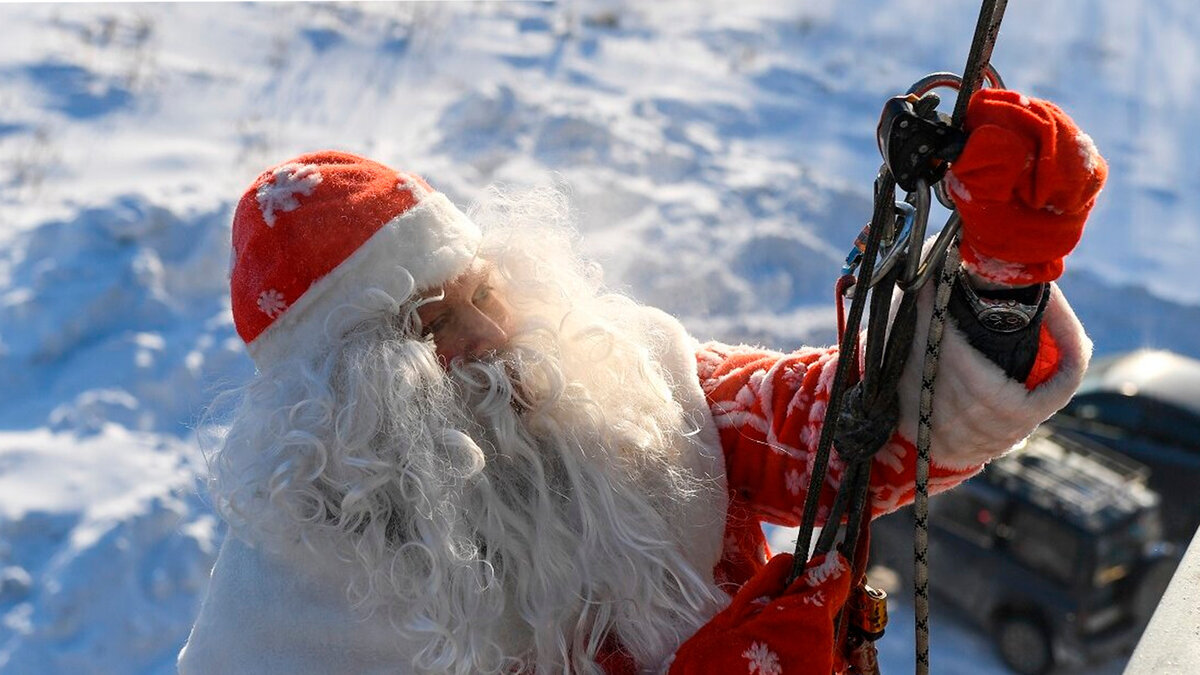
(423, 247)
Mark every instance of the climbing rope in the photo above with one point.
(933, 345)
(987, 27)
(916, 142)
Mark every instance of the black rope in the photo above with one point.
(870, 410)
(883, 216)
(987, 26)
(859, 421)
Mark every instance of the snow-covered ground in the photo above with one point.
(720, 155)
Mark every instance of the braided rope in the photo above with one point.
(933, 348)
(987, 26)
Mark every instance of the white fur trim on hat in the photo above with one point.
(424, 247)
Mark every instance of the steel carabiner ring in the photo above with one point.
(952, 81)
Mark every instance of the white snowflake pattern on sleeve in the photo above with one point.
(794, 482)
(762, 661)
(278, 194)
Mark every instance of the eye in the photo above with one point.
(482, 293)
(436, 325)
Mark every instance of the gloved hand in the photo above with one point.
(1024, 185)
(771, 628)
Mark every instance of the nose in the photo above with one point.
(487, 334)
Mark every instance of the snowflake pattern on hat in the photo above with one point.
(279, 192)
(271, 303)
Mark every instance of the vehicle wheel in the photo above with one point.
(1024, 645)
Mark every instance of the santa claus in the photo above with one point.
(461, 454)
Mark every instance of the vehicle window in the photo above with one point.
(1173, 425)
(1116, 410)
(1038, 541)
(967, 514)
(1118, 548)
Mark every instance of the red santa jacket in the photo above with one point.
(768, 408)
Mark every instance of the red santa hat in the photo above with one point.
(311, 234)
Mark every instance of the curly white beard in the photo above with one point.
(507, 515)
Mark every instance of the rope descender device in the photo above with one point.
(917, 143)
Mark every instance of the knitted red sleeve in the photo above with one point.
(768, 408)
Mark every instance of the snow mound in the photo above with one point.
(720, 156)
(122, 317)
(120, 547)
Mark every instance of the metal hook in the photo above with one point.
(895, 243)
(952, 81)
(935, 80)
(907, 243)
(919, 270)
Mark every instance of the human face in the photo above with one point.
(471, 320)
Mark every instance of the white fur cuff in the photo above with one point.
(978, 411)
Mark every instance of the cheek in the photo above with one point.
(446, 345)
(446, 351)
(501, 315)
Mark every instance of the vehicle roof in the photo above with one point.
(1166, 376)
(1075, 479)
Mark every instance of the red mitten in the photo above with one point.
(770, 629)
(1023, 185)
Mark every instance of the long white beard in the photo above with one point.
(574, 504)
(506, 516)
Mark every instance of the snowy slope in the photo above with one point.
(720, 155)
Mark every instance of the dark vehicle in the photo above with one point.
(1146, 405)
(1054, 549)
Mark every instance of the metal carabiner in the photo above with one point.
(917, 275)
(935, 80)
(907, 243)
(895, 244)
(920, 269)
(911, 234)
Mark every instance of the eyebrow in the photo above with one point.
(431, 296)
(482, 269)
